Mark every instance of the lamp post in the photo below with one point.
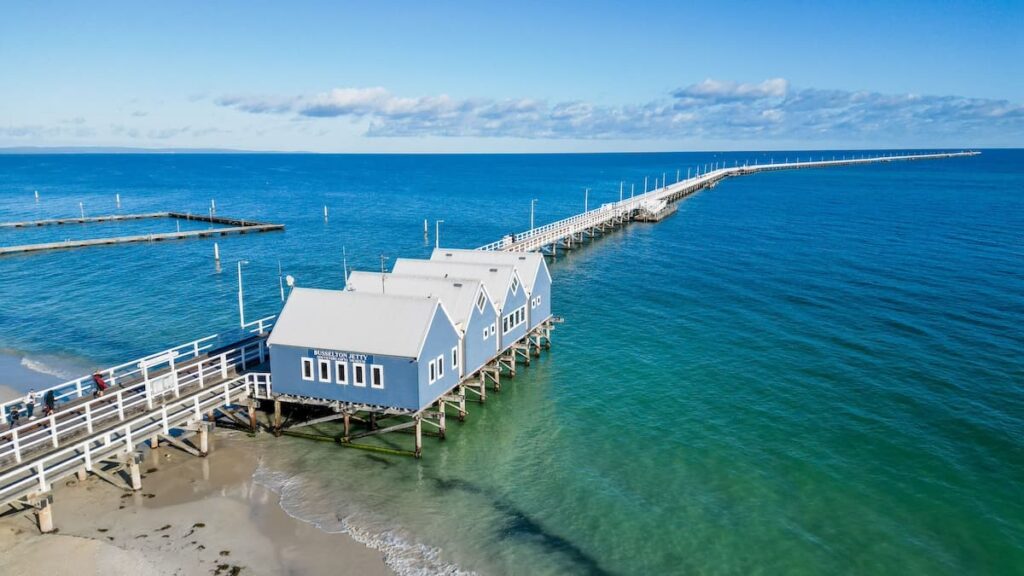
(533, 203)
(241, 293)
(437, 233)
(586, 198)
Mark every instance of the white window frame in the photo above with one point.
(538, 300)
(487, 332)
(321, 364)
(376, 376)
(432, 372)
(440, 366)
(341, 372)
(515, 284)
(455, 358)
(358, 367)
(307, 368)
(481, 301)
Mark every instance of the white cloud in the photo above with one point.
(711, 109)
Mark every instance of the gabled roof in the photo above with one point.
(354, 322)
(528, 264)
(458, 295)
(495, 277)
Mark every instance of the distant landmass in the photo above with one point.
(126, 150)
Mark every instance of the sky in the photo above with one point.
(397, 77)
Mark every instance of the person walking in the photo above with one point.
(101, 385)
(49, 403)
(30, 404)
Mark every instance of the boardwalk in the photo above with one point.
(229, 226)
(564, 233)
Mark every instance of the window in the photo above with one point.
(376, 376)
(455, 358)
(487, 332)
(538, 300)
(307, 369)
(359, 375)
(324, 368)
(341, 372)
(440, 367)
(433, 371)
(504, 325)
(515, 284)
(481, 301)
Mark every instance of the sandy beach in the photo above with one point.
(193, 516)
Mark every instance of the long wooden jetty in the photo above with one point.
(178, 395)
(566, 233)
(228, 226)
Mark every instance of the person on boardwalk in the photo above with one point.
(101, 385)
(14, 417)
(30, 404)
(49, 403)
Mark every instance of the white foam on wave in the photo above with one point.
(401, 552)
(42, 367)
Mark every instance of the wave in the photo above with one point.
(42, 367)
(401, 552)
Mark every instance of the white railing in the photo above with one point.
(43, 471)
(536, 238)
(260, 384)
(122, 373)
(52, 432)
(261, 326)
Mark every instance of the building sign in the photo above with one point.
(343, 356)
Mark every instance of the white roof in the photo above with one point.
(494, 276)
(528, 264)
(457, 295)
(354, 322)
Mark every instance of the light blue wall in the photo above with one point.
(479, 351)
(400, 378)
(441, 338)
(512, 301)
(541, 287)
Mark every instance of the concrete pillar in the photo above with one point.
(154, 441)
(134, 472)
(441, 423)
(252, 416)
(204, 439)
(483, 386)
(371, 422)
(277, 417)
(345, 421)
(81, 475)
(44, 514)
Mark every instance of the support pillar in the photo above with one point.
(204, 439)
(277, 417)
(44, 512)
(154, 441)
(345, 420)
(419, 437)
(81, 475)
(440, 422)
(462, 403)
(134, 472)
(252, 416)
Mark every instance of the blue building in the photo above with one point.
(363, 348)
(532, 270)
(471, 308)
(503, 284)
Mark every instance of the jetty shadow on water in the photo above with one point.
(521, 525)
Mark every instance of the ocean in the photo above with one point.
(808, 372)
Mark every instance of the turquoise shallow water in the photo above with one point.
(807, 372)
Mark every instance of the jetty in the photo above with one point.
(393, 352)
(227, 226)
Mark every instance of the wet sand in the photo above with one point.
(192, 516)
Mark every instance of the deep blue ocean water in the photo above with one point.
(805, 372)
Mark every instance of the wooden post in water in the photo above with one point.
(277, 417)
(419, 436)
(252, 416)
(346, 423)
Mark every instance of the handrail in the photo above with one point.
(69, 424)
(41, 473)
(79, 387)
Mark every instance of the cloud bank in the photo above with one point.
(712, 110)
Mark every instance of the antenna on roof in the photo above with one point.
(344, 265)
(383, 259)
(280, 280)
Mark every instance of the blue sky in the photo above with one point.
(511, 77)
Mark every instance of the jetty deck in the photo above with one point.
(228, 226)
(570, 231)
